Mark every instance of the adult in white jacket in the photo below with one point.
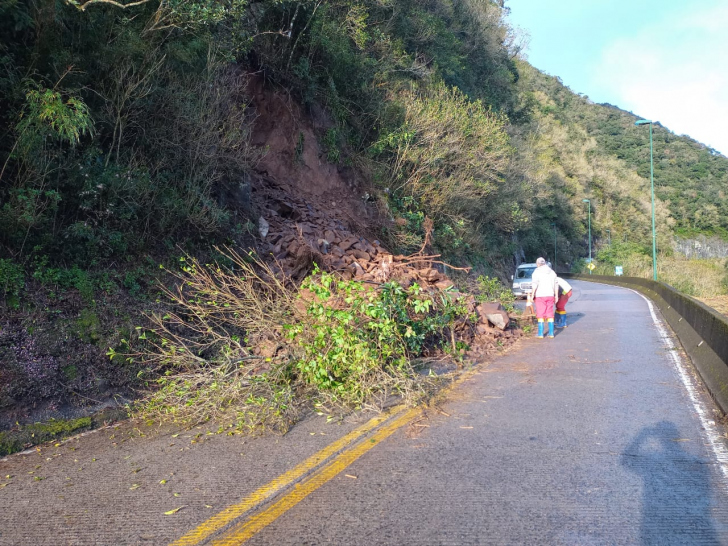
(544, 295)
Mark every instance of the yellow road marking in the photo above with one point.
(218, 521)
(258, 522)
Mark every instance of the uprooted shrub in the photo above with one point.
(244, 346)
(199, 356)
(357, 340)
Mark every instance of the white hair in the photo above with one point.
(540, 261)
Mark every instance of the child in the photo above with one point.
(564, 295)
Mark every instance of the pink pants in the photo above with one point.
(544, 307)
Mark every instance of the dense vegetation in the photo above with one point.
(125, 134)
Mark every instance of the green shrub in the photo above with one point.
(358, 341)
(12, 282)
(491, 289)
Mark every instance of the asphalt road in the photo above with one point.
(600, 436)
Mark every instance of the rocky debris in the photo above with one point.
(300, 233)
(494, 314)
(263, 227)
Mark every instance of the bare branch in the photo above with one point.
(120, 5)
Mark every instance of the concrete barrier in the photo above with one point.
(702, 331)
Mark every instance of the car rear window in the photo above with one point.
(525, 273)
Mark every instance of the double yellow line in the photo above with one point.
(331, 461)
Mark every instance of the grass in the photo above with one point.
(719, 303)
(13, 441)
(698, 278)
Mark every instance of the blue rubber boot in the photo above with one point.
(551, 327)
(540, 329)
(560, 319)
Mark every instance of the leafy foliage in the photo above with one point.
(447, 157)
(357, 341)
(492, 289)
(134, 141)
(12, 282)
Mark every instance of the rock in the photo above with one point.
(361, 255)
(482, 329)
(493, 313)
(489, 307)
(324, 245)
(330, 236)
(286, 210)
(429, 274)
(444, 284)
(347, 243)
(359, 270)
(267, 348)
(263, 227)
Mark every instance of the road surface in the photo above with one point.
(602, 435)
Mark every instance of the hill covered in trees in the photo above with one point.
(124, 128)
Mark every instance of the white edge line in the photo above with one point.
(709, 426)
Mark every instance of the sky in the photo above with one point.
(665, 60)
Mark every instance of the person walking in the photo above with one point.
(563, 295)
(543, 282)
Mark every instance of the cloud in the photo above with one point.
(674, 71)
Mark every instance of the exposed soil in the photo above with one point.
(53, 361)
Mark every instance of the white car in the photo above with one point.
(522, 280)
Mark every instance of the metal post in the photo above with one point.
(652, 192)
(652, 195)
(590, 256)
(588, 202)
(554, 224)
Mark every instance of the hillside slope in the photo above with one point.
(573, 149)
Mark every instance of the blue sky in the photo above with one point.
(665, 60)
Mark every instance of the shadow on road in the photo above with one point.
(571, 319)
(676, 488)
